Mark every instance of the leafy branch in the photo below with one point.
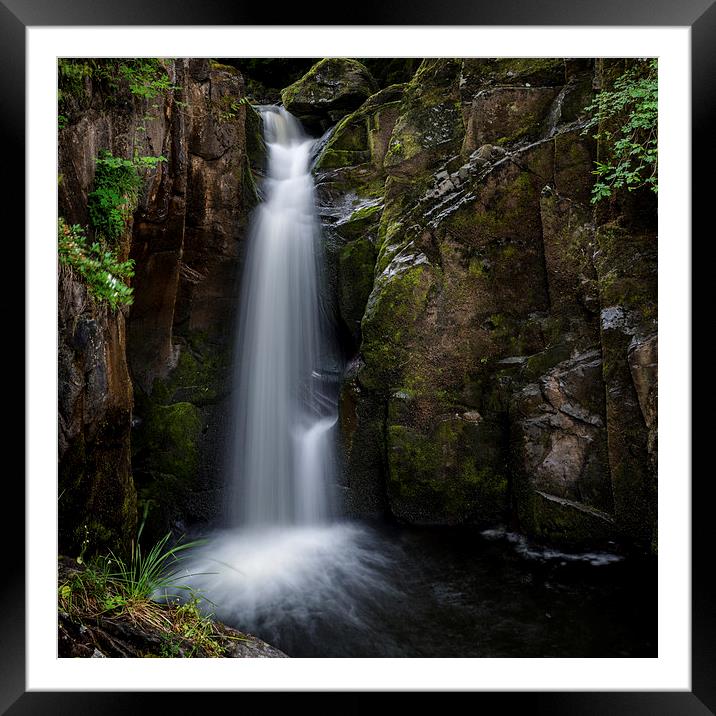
(103, 272)
(626, 118)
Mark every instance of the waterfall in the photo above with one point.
(282, 452)
(282, 567)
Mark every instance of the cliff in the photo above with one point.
(502, 328)
(142, 387)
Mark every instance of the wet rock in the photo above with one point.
(559, 444)
(643, 359)
(568, 236)
(448, 475)
(363, 135)
(507, 114)
(626, 272)
(331, 89)
(430, 126)
(362, 417)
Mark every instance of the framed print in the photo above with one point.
(484, 286)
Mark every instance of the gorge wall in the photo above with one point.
(142, 390)
(499, 330)
(503, 330)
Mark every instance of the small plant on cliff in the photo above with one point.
(146, 77)
(626, 117)
(103, 272)
(116, 190)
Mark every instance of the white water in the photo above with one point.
(283, 561)
(282, 458)
(284, 568)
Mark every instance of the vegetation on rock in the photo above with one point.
(116, 190)
(626, 118)
(110, 590)
(144, 77)
(104, 274)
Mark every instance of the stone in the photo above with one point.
(559, 443)
(331, 89)
(430, 126)
(363, 135)
(448, 475)
(507, 114)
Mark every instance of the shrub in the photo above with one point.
(626, 117)
(145, 77)
(102, 271)
(116, 191)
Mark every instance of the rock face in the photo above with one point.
(501, 330)
(503, 352)
(97, 498)
(162, 365)
(188, 245)
(331, 89)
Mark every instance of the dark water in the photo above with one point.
(398, 592)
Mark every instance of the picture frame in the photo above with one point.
(700, 16)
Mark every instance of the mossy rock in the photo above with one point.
(388, 323)
(445, 477)
(362, 223)
(504, 115)
(430, 127)
(255, 145)
(169, 439)
(479, 73)
(564, 523)
(331, 89)
(362, 430)
(363, 135)
(355, 282)
(198, 377)
(389, 71)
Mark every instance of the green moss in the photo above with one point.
(351, 134)
(357, 132)
(430, 125)
(476, 268)
(627, 275)
(218, 66)
(198, 377)
(509, 208)
(541, 363)
(169, 439)
(335, 158)
(562, 523)
(536, 71)
(389, 322)
(443, 474)
(323, 81)
(363, 223)
(355, 281)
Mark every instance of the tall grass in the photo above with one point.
(111, 587)
(145, 576)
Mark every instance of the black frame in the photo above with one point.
(699, 15)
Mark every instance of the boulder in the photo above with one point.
(331, 89)
(430, 126)
(363, 135)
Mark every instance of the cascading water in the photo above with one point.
(285, 568)
(283, 564)
(285, 395)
